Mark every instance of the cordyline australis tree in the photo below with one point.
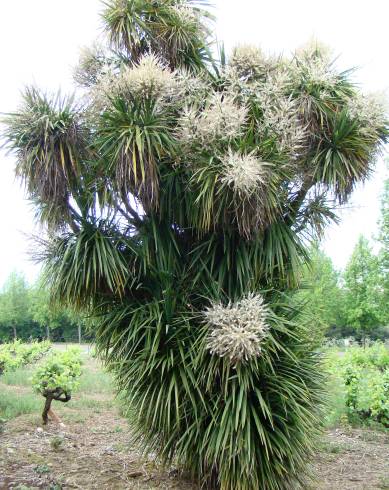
(178, 196)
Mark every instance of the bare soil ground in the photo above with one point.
(94, 454)
(353, 459)
(92, 451)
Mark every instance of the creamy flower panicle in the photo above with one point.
(237, 331)
(149, 77)
(244, 173)
(222, 119)
(370, 108)
(248, 61)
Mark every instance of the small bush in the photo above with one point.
(61, 371)
(16, 354)
(57, 378)
(365, 377)
(57, 443)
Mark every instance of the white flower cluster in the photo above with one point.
(244, 173)
(314, 48)
(248, 61)
(237, 331)
(191, 88)
(370, 109)
(93, 64)
(149, 77)
(221, 119)
(186, 15)
(314, 70)
(281, 118)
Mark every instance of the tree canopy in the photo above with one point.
(14, 302)
(362, 287)
(383, 256)
(321, 292)
(26, 313)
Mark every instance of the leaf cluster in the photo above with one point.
(365, 374)
(16, 354)
(60, 372)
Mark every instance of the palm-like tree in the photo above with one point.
(179, 201)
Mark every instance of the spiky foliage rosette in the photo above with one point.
(180, 198)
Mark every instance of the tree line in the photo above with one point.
(26, 313)
(352, 302)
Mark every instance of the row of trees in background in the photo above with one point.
(354, 302)
(25, 313)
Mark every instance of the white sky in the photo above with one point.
(40, 40)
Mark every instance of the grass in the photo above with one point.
(337, 413)
(19, 377)
(384, 483)
(93, 381)
(14, 403)
(330, 447)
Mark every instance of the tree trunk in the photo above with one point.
(15, 332)
(49, 399)
(47, 332)
(79, 334)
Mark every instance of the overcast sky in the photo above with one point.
(40, 41)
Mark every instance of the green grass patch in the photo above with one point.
(333, 447)
(337, 411)
(19, 377)
(95, 381)
(13, 404)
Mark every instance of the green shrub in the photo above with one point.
(58, 377)
(365, 377)
(61, 370)
(241, 424)
(16, 354)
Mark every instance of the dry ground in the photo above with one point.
(92, 451)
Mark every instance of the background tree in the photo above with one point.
(54, 319)
(14, 303)
(41, 311)
(321, 291)
(383, 256)
(362, 289)
(178, 203)
(26, 311)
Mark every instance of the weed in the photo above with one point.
(384, 483)
(333, 447)
(19, 377)
(42, 469)
(57, 443)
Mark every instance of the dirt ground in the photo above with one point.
(92, 451)
(92, 454)
(95, 454)
(353, 459)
